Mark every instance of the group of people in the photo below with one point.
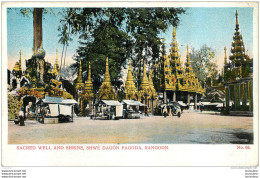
(171, 112)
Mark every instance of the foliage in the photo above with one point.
(14, 106)
(246, 70)
(55, 91)
(202, 64)
(158, 68)
(25, 91)
(27, 12)
(31, 69)
(118, 33)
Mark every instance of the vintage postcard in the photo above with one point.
(130, 84)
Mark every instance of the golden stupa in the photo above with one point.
(130, 89)
(79, 83)
(106, 91)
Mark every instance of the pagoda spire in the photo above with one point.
(107, 75)
(56, 65)
(20, 61)
(79, 83)
(89, 72)
(79, 79)
(106, 90)
(144, 83)
(129, 74)
(88, 83)
(188, 54)
(238, 48)
(237, 18)
(174, 33)
(175, 62)
(237, 24)
(225, 55)
(130, 89)
(188, 63)
(150, 81)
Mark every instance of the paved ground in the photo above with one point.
(191, 128)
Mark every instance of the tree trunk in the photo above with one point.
(37, 29)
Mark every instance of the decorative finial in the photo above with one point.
(225, 54)
(107, 75)
(20, 61)
(130, 66)
(144, 68)
(107, 67)
(236, 17)
(174, 33)
(80, 64)
(56, 54)
(79, 80)
(89, 71)
(188, 55)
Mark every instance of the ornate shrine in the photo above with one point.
(106, 91)
(180, 83)
(130, 89)
(238, 76)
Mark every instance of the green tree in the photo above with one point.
(120, 33)
(203, 65)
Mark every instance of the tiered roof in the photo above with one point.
(238, 55)
(176, 77)
(240, 65)
(175, 63)
(190, 82)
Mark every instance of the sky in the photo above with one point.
(213, 27)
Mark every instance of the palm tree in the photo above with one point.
(64, 39)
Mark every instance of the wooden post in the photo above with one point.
(164, 97)
(188, 98)
(227, 98)
(235, 100)
(72, 111)
(174, 96)
(250, 91)
(244, 97)
(152, 105)
(195, 102)
(90, 105)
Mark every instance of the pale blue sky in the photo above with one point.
(211, 26)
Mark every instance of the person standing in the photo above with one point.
(170, 112)
(21, 116)
(165, 112)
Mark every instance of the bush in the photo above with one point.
(14, 106)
